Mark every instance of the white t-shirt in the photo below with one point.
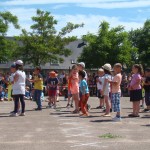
(100, 83)
(19, 86)
(107, 87)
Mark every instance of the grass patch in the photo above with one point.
(109, 136)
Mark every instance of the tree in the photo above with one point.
(44, 44)
(110, 45)
(6, 45)
(141, 40)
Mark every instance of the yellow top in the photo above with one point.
(38, 85)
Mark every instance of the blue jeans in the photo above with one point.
(37, 97)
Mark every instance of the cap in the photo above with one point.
(82, 64)
(107, 67)
(19, 62)
(13, 66)
(53, 74)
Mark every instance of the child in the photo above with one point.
(69, 95)
(27, 93)
(147, 89)
(116, 91)
(84, 94)
(106, 88)
(136, 89)
(1, 94)
(52, 88)
(38, 87)
(74, 87)
(100, 83)
(6, 94)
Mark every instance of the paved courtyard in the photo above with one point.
(58, 129)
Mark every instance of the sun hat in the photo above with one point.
(19, 62)
(107, 67)
(100, 70)
(118, 65)
(82, 64)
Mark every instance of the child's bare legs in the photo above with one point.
(136, 108)
(107, 104)
(101, 102)
(76, 100)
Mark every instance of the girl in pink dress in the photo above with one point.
(74, 87)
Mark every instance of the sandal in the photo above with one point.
(75, 111)
(133, 115)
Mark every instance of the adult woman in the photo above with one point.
(19, 88)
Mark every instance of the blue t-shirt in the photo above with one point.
(52, 82)
(84, 87)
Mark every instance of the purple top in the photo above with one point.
(134, 79)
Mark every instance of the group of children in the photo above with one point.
(108, 87)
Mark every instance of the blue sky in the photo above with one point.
(129, 13)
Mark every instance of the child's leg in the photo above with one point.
(102, 102)
(137, 107)
(76, 100)
(107, 104)
(84, 100)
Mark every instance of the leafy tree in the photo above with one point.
(110, 45)
(44, 44)
(6, 45)
(141, 40)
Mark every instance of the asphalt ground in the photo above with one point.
(59, 129)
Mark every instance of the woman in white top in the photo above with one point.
(18, 87)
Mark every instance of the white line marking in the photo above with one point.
(87, 144)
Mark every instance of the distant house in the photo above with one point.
(68, 61)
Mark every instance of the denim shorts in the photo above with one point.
(115, 98)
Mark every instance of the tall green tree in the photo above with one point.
(110, 45)
(44, 44)
(141, 40)
(6, 45)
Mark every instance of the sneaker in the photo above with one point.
(54, 106)
(88, 107)
(116, 119)
(38, 109)
(146, 110)
(22, 114)
(14, 115)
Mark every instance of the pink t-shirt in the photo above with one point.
(134, 84)
(116, 88)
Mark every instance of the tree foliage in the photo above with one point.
(141, 40)
(44, 44)
(6, 45)
(110, 45)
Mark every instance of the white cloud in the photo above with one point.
(105, 4)
(91, 21)
(33, 2)
(60, 6)
(112, 5)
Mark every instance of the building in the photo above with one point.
(66, 65)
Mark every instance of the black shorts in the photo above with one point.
(135, 95)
